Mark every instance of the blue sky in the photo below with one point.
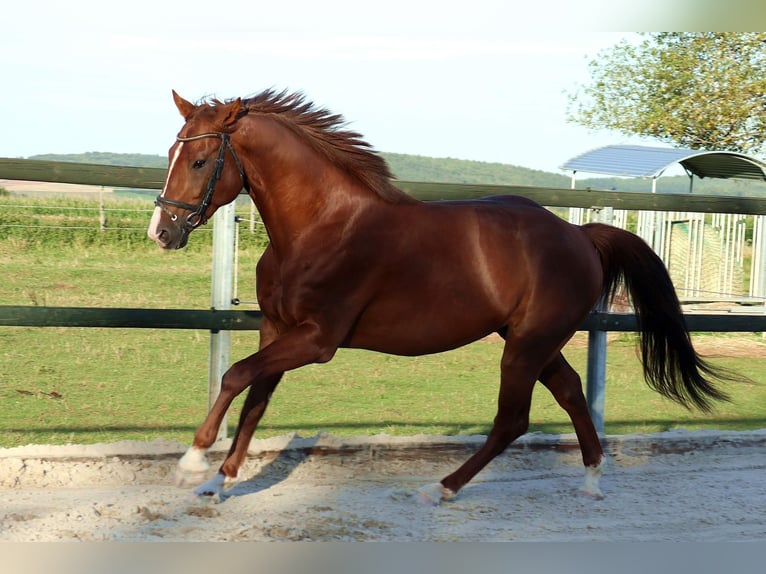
(483, 80)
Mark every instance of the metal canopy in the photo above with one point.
(647, 161)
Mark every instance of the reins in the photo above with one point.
(196, 216)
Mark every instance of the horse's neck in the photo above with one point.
(298, 189)
(297, 204)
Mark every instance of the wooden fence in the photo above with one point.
(227, 320)
(220, 320)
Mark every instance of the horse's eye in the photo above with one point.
(200, 163)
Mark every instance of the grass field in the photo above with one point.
(102, 385)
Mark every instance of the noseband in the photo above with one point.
(196, 216)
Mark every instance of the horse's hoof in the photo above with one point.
(215, 486)
(189, 478)
(591, 494)
(433, 494)
(591, 487)
(192, 468)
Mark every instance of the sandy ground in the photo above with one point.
(675, 486)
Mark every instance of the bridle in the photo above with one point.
(196, 216)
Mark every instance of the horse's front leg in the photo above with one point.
(252, 410)
(193, 467)
(261, 371)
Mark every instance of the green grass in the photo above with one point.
(62, 385)
(103, 385)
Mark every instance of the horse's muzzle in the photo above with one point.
(166, 234)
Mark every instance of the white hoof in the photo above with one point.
(216, 486)
(433, 494)
(591, 487)
(212, 487)
(192, 469)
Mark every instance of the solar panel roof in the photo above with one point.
(648, 161)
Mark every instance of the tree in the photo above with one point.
(701, 90)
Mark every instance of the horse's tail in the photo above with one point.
(671, 365)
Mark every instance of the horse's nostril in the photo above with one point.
(161, 237)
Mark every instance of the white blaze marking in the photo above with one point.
(154, 223)
(153, 231)
(172, 165)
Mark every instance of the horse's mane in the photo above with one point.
(326, 132)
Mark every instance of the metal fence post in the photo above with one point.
(222, 284)
(595, 392)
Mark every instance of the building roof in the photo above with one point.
(647, 161)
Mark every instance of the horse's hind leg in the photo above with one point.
(565, 385)
(520, 368)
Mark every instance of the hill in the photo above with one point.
(106, 158)
(449, 170)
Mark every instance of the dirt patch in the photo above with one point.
(675, 486)
(730, 347)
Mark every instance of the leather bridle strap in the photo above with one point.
(197, 216)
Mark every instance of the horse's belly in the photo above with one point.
(408, 335)
(410, 346)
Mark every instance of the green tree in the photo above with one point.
(701, 90)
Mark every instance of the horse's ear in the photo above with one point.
(186, 108)
(233, 112)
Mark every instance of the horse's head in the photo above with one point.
(199, 179)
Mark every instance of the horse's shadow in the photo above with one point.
(275, 471)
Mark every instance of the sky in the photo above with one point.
(482, 80)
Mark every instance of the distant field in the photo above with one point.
(40, 187)
(44, 191)
(94, 385)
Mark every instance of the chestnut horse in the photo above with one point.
(352, 261)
